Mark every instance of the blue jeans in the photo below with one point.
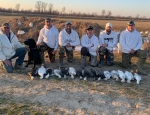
(20, 53)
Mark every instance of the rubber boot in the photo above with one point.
(83, 59)
(93, 61)
(126, 59)
(17, 66)
(101, 62)
(42, 58)
(61, 57)
(70, 56)
(139, 67)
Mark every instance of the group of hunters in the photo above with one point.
(51, 40)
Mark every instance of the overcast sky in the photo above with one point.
(117, 7)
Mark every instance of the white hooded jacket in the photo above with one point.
(110, 39)
(87, 42)
(7, 48)
(130, 40)
(49, 36)
(71, 38)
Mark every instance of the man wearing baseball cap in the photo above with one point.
(107, 40)
(68, 39)
(10, 48)
(89, 43)
(131, 43)
(48, 40)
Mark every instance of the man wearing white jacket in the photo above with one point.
(68, 39)
(131, 43)
(48, 40)
(89, 48)
(10, 48)
(108, 40)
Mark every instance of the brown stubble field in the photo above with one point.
(21, 96)
(117, 24)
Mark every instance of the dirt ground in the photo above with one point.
(21, 96)
(56, 96)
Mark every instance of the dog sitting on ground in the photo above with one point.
(33, 54)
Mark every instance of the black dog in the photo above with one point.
(33, 54)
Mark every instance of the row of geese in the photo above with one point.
(84, 74)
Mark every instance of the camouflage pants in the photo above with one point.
(69, 53)
(126, 57)
(109, 55)
(43, 48)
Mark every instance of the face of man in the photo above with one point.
(6, 30)
(131, 27)
(68, 28)
(108, 29)
(90, 33)
(48, 24)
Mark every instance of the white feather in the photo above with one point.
(20, 32)
(72, 72)
(121, 76)
(85, 79)
(57, 72)
(47, 76)
(19, 23)
(80, 77)
(41, 72)
(137, 77)
(107, 75)
(114, 75)
(31, 24)
(128, 76)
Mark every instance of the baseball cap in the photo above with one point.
(108, 25)
(90, 28)
(48, 19)
(68, 23)
(5, 24)
(131, 23)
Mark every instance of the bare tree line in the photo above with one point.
(48, 8)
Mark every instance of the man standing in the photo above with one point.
(107, 39)
(10, 48)
(89, 48)
(68, 39)
(48, 40)
(131, 43)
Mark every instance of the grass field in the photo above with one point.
(117, 24)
